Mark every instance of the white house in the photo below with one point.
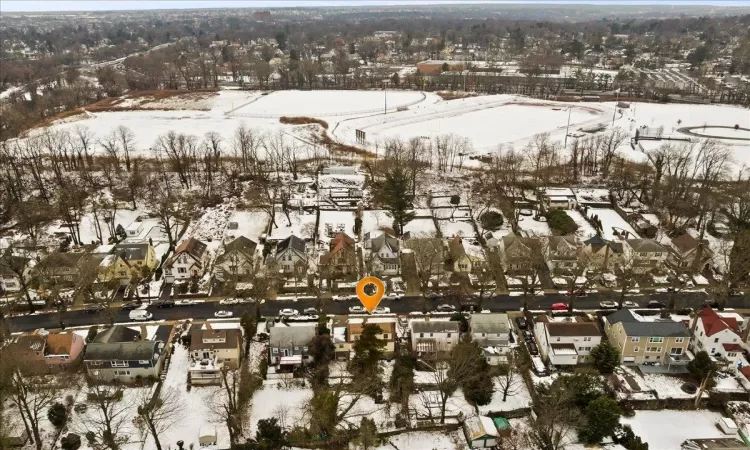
(290, 252)
(566, 343)
(719, 335)
(430, 337)
(384, 255)
(491, 332)
(644, 254)
(561, 253)
(188, 261)
(558, 198)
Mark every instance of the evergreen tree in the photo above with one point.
(605, 357)
(602, 419)
(397, 197)
(368, 350)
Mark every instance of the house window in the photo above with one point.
(181, 270)
(731, 354)
(656, 340)
(675, 351)
(636, 349)
(385, 335)
(296, 349)
(679, 340)
(652, 349)
(558, 339)
(586, 338)
(716, 340)
(275, 351)
(449, 335)
(635, 339)
(421, 335)
(119, 364)
(646, 357)
(95, 363)
(430, 334)
(143, 361)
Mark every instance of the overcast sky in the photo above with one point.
(108, 5)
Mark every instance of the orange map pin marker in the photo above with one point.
(370, 300)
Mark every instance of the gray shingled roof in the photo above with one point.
(117, 333)
(291, 242)
(434, 326)
(378, 242)
(129, 252)
(646, 245)
(286, 336)
(124, 351)
(635, 327)
(489, 323)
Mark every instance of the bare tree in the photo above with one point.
(554, 420)
(126, 140)
(160, 413)
(110, 419)
(509, 380)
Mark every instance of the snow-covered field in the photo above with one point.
(585, 230)
(611, 222)
(667, 429)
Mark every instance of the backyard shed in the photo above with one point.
(480, 432)
(207, 435)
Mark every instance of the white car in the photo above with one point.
(342, 297)
(445, 308)
(186, 302)
(288, 312)
(357, 310)
(607, 304)
(245, 301)
(229, 301)
(630, 304)
(223, 314)
(381, 310)
(394, 296)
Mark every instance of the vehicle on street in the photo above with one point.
(533, 349)
(394, 296)
(521, 322)
(528, 336)
(445, 308)
(246, 301)
(343, 297)
(164, 303)
(94, 308)
(381, 310)
(711, 303)
(630, 304)
(130, 306)
(357, 310)
(434, 296)
(735, 293)
(656, 304)
(186, 302)
(140, 315)
(223, 314)
(560, 306)
(577, 293)
(309, 311)
(288, 312)
(229, 301)
(538, 367)
(607, 304)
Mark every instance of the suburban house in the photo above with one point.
(127, 260)
(491, 332)
(384, 254)
(661, 341)
(561, 253)
(119, 354)
(603, 254)
(61, 267)
(644, 255)
(462, 262)
(558, 198)
(237, 261)
(567, 342)
(290, 253)
(432, 337)
(9, 269)
(341, 259)
(387, 332)
(188, 261)
(432, 250)
(287, 344)
(515, 253)
(717, 334)
(210, 351)
(43, 352)
(684, 251)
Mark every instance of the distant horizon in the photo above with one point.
(46, 6)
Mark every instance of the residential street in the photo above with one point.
(405, 305)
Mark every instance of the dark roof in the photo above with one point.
(231, 337)
(129, 252)
(12, 264)
(125, 351)
(646, 245)
(292, 242)
(117, 333)
(240, 245)
(634, 325)
(685, 243)
(570, 329)
(595, 242)
(192, 247)
(384, 239)
(434, 326)
(61, 259)
(287, 336)
(456, 247)
(162, 333)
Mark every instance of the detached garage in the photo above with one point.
(480, 432)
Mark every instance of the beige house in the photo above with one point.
(651, 340)
(462, 262)
(387, 332)
(601, 253)
(644, 255)
(212, 350)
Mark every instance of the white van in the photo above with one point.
(140, 315)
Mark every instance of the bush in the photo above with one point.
(92, 334)
(90, 437)
(357, 225)
(455, 200)
(71, 442)
(302, 120)
(263, 367)
(491, 220)
(558, 220)
(57, 415)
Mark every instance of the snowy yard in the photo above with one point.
(302, 225)
(423, 440)
(375, 220)
(456, 228)
(250, 224)
(531, 227)
(667, 429)
(585, 230)
(611, 223)
(650, 385)
(333, 222)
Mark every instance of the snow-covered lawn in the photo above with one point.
(667, 429)
(423, 440)
(611, 221)
(456, 228)
(651, 385)
(419, 227)
(585, 230)
(374, 220)
(333, 222)
(250, 224)
(532, 227)
(281, 399)
(302, 225)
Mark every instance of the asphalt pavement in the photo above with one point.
(206, 310)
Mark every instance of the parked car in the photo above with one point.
(381, 310)
(288, 312)
(656, 304)
(711, 303)
(245, 301)
(140, 315)
(521, 322)
(607, 304)
(309, 311)
(164, 303)
(533, 349)
(630, 304)
(186, 302)
(229, 301)
(560, 306)
(357, 310)
(434, 296)
(577, 293)
(445, 308)
(394, 296)
(130, 306)
(735, 293)
(528, 336)
(223, 314)
(94, 308)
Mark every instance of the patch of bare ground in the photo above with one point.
(302, 120)
(453, 95)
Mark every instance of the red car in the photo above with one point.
(560, 307)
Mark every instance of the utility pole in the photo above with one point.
(565, 145)
(385, 98)
(617, 99)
